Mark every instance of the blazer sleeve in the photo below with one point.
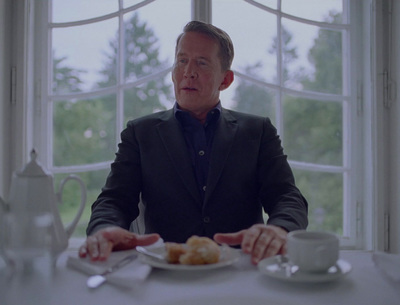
(280, 197)
(117, 204)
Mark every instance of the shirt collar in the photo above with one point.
(212, 116)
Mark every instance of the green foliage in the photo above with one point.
(326, 57)
(324, 192)
(85, 131)
(252, 98)
(312, 129)
(65, 79)
(141, 59)
(289, 54)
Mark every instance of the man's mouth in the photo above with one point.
(189, 89)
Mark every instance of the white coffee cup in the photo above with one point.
(312, 251)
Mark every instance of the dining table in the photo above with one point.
(238, 283)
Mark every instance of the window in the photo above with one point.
(292, 65)
(109, 61)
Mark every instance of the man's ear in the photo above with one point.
(227, 81)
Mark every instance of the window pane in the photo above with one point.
(165, 27)
(150, 97)
(252, 39)
(254, 99)
(316, 10)
(270, 3)
(313, 131)
(74, 10)
(142, 49)
(84, 131)
(128, 3)
(312, 58)
(84, 50)
(93, 181)
(324, 193)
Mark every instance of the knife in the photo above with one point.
(95, 281)
(150, 253)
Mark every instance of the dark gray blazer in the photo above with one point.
(248, 171)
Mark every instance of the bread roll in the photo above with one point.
(196, 251)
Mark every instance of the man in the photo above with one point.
(198, 168)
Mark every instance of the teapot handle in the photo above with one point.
(71, 227)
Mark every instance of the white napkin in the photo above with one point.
(127, 276)
(389, 264)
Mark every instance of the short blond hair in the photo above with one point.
(226, 51)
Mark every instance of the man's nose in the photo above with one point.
(191, 71)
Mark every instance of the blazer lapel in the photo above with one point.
(222, 143)
(173, 140)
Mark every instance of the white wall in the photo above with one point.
(5, 66)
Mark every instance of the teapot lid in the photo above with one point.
(33, 168)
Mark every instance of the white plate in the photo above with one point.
(228, 257)
(279, 268)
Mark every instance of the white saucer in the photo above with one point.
(279, 268)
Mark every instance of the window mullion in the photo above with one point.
(279, 74)
(202, 10)
(120, 74)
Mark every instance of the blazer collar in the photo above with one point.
(173, 140)
(221, 147)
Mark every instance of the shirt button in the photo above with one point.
(204, 188)
(201, 153)
(206, 219)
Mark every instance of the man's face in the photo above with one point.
(197, 74)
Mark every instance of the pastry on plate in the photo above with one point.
(196, 251)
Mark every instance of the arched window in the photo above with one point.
(104, 62)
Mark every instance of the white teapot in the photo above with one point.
(32, 194)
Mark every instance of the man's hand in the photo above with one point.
(259, 240)
(99, 245)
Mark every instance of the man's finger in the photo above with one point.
(83, 250)
(145, 240)
(232, 239)
(131, 240)
(92, 247)
(105, 248)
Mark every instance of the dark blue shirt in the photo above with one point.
(199, 138)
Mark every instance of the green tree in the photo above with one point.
(252, 98)
(326, 58)
(84, 131)
(141, 59)
(317, 140)
(65, 79)
(289, 52)
(312, 129)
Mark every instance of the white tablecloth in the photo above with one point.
(241, 283)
